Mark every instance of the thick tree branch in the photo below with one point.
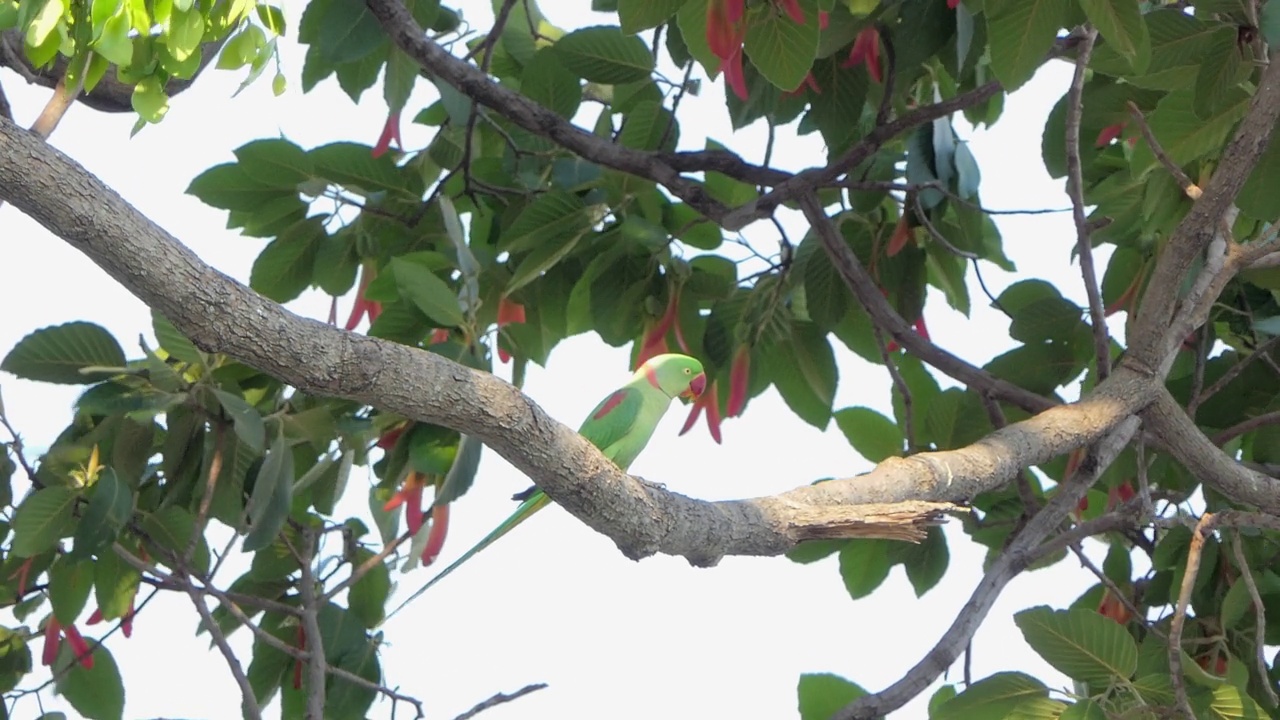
(1205, 219)
(110, 94)
(1015, 558)
(223, 316)
(1185, 442)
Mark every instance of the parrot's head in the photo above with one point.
(676, 375)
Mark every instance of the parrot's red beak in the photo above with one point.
(696, 387)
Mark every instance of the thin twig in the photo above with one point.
(211, 482)
(1240, 428)
(251, 708)
(890, 74)
(1260, 627)
(1114, 589)
(1204, 344)
(63, 97)
(1189, 188)
(936, 234)
(6, 112)
(899, 384)
(1180, 614)
(499, 699)
(1075, 188)
(369, 564)
(1234, 371)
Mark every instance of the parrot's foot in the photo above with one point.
(654, 485)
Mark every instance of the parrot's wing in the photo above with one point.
(613, 419)
(537, 500)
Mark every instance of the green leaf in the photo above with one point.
(811, 551)
(353, 166)
(637, 15)
(926, 562)
(69, 584)
(1080, 643)
(41, 519)
(1021, 33)
(348, 32)
(462, 473)
(229, 186)
(1221, 70)
(649, 126)
(272, 496)
(864, 565)
(1269, 24)
(1047, 318)
(546, 80)
(286, 266)
(1084, 710)
(873, 435)
(96, 693)
(61, 353)
(804, 371)
(110, 504)
(115, 585)
(178, 346)
(246, 420)
(427, 292)
(997, 696)
(780, 49)
(1184, 135)
(1121, 25)
(605, 55)
(554, 217)
(821, 695)
(276, 162)
(367, 598)
(1231, 703)
(15, 661)
(345, 699)
(170, 530)
(149, 100)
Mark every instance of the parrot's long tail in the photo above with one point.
(535, 502)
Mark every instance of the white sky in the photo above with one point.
(554, 602)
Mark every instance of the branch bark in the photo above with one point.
(220, 315)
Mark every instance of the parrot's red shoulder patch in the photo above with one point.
(609, 404)
(651, 375)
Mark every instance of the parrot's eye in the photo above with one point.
(686, 371)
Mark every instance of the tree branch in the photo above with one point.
(1180, 614)
(1020, 553)
(1184, 441)
(252, 710)
(1204, 220)
(405, 33)
(317, 668)
(1260, 619)
(499, 699)
(863, 287)
(1075, 188)
(220, 315)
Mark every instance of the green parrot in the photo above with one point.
(621, 425)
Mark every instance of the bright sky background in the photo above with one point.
(554, 602)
